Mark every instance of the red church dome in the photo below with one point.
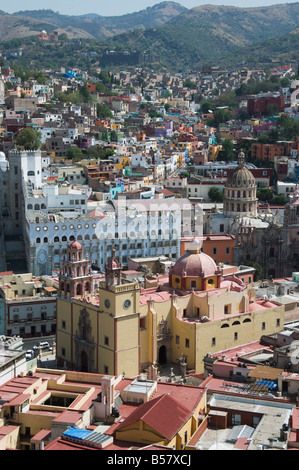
(75, 245)
(194, 265)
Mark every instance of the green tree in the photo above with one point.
(103, 111)
(74, 153)
(105, 77)
(227, 152)
(40, 77)
(288, 128)
(258, 269)
(215, 195)
(85, 94)
(62, 37)
(113, 136)
(100, 87)
(263, 138)
(221, 115)
(189, 83)
(29, 139)
(206, 106)
(98, 151)
(264, 194)
(280, 200)
(272, 109)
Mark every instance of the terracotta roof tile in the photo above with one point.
(157, 412)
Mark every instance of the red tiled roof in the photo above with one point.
(19, 399)
(232, 354)
(41, 435)
(5, 430)
(155, 296)
(69, 417)
(164, 414)
(119, 445)
(96, 214)
(60, 444)
(189, 395)
(241, 443)
(295, 418)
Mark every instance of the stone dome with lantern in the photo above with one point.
(240, 192)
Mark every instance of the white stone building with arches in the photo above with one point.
(47, 217)
(132, 232)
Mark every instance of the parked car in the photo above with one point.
(29, 354)
(42, 345)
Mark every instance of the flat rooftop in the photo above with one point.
(275, 415)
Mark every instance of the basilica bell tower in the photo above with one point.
(75, 278)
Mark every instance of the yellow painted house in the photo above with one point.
(124, 160)
(213, 152)
(163, 421)
(117, 326)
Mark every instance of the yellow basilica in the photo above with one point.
(108, 325)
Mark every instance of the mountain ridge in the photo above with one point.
(182, 38)
(97, 26)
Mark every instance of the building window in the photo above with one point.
(106, 340)
(255, 421)
(236, 419)
(142, 323)
(63, 324)
(263, 325)
(106, 370)
(227, 250)
(221, 228)
(226, 309)
(214, 250)
(213, 341)
(236, 336)
(63, 351)
(278, 322)
(177, 339)
(187, 343)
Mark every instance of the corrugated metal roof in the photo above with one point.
(77, 433)
(97, 437)
(240, 431)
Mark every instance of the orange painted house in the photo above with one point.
(219, 247)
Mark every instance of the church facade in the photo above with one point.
(116, 327)
(261, 238)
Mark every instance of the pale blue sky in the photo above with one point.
(120, 7)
